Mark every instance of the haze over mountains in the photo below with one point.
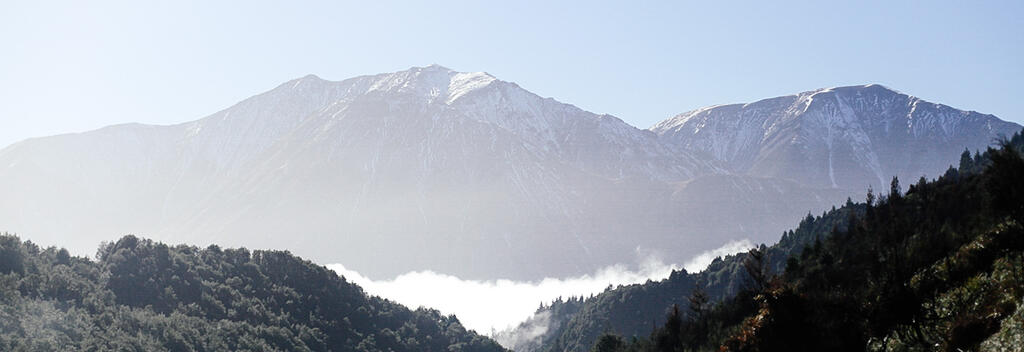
(462, 173)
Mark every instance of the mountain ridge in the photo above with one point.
(763, 137)
(519, 185)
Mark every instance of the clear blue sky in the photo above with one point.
(79, 65)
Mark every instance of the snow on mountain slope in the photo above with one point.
(845, 137)
(430, 154)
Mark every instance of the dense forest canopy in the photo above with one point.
(140, 295)
(938, 267)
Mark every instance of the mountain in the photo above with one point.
(434, 169)
(142, 295)
(455, 172)
(844, 137)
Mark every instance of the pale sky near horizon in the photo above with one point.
(70, 66)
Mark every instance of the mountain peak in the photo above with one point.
(433, 67)
(311, 77)
(303, 82)
(870, 87)
(307, 78)
(436, 82)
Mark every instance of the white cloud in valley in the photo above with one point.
(492, 305)
(701, 261)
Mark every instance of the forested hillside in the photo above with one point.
(141, 295)
(969, 191)
(940, 267)
(634, 310)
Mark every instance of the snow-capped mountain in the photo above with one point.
(463, 173)
(845, 137)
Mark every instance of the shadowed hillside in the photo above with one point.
(142, 295)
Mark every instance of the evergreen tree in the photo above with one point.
(966, 162)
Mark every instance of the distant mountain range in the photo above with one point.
(466, 174)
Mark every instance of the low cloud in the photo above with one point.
(526, 336)
(491, 305)
(488, 306)
(701, 261)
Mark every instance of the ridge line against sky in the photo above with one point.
(71, 67)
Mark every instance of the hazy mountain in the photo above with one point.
(461, 173)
